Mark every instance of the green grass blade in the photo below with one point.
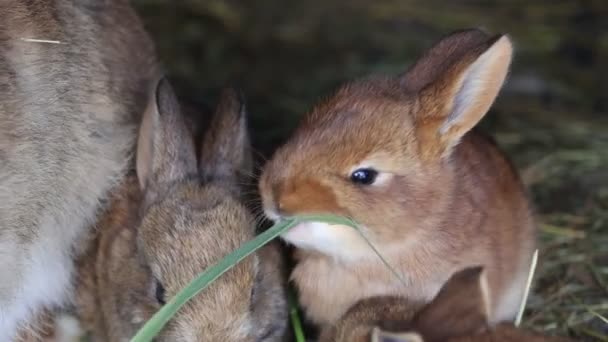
(158, 321)
(332, 219)
(391, 268)
(326, 218)
(295, 318)
(160, 318)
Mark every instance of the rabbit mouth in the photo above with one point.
(335, 240)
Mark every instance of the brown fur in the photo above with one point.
(449, 199)
(181, 224)
(42, 329)
(110, 268)
(457, 314)
(68, 118)
(357, 323)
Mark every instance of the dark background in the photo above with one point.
(551, 117)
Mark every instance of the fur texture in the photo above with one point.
(69, 106)
(459, 313)
(445, 196)
(186, 218)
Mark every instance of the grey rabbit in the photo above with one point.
(74, 79)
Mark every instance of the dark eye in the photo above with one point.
(364, 176)
(160, 293)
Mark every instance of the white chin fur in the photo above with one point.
(68, 329)
(338, 241)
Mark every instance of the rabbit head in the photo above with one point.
(190, 216)
(376, 150)
(399, 157)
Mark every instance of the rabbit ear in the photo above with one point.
(165, 151)
(379, 335)
(457, 81)
(460, 308)
(226, 152)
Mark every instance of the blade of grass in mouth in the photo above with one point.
(160, 318)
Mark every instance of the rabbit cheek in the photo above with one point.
(334, 240)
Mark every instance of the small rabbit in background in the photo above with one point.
(400, 156)
(459, 313)
(151, 243)
(74, 77)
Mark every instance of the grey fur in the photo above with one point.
(69, 108)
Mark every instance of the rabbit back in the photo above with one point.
(74, 78)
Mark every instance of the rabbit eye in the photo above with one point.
(160, 293)
(364, 176)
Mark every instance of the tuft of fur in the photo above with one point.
(169, 223)
(68, 116)
(445, 198)
(457, 314)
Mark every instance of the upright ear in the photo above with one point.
(226, 152)
(457, 81)
(460, 308)
(165, 151)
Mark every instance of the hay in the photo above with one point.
(44, 41)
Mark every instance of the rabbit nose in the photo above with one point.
(280, 193)
(281, 210)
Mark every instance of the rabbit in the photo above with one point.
(74, 76)
(459, 313)
(170, 221)
(401, 157)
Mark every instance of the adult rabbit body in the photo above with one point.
(74, 79)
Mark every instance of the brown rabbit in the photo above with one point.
(74, 76)
(398, 155)
(458, 313)
(152, 243)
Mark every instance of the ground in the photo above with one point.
(550, 118)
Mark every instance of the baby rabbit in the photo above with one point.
(459, 313)
(399, 156)
(152, 243)
(74, 76)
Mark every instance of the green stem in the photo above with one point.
(202, 281)
(295, 318)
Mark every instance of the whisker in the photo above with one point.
(259, 154)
